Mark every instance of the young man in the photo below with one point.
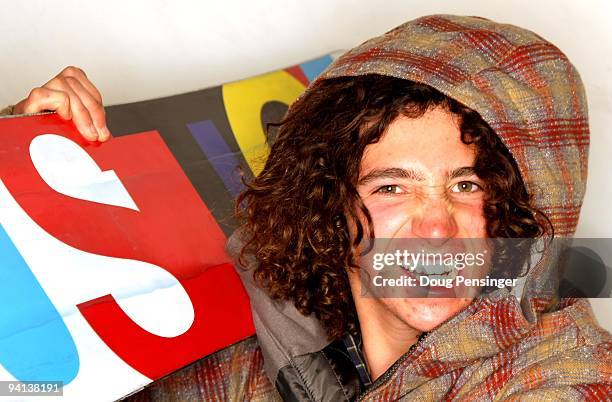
(444, 128)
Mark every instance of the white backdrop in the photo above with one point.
(135, 50)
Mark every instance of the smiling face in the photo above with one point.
(418, 182)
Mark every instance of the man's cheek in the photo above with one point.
(391, 220)
(470, 220)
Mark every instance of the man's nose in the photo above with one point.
(435, 220)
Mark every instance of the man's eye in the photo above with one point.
(465, 187)
(390, 189)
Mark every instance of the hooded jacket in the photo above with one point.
(527, 90)
(497, 348)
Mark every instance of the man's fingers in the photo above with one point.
(79, 75)
(94, 108)
(46, 99)
(80, 114)
(72, 96)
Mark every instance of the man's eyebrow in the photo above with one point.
(461, 172)
(391, 173)
(412, 174)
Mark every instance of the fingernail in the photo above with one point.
(105, 134)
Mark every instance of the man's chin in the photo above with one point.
(425, 314)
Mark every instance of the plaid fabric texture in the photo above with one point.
(232, 374)
(489, 352)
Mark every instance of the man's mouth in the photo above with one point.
(432, 271)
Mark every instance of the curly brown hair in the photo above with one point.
(297, 211)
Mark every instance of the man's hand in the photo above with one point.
(72, 96)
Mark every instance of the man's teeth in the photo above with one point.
(433, 271)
